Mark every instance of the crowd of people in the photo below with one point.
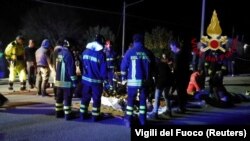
(89, 74)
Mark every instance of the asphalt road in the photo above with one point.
(28, 117)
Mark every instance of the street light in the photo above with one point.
(124, 21)
(245, 49)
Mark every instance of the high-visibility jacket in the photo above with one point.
(15, 52)
(94, 65)
(65, 69)
(135, 67)
(110, 58)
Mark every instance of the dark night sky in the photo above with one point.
(181, 16)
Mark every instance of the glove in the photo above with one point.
(124, 82)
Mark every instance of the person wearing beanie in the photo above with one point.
(43, 67)
(14, 54)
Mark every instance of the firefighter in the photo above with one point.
(135, 70)
(14, 54)
(65, 81)
(53, 57)
(110, 58)
(94, 74)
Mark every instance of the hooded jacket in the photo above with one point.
(43, 55)
(94, 65)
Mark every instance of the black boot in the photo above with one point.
(59, 114)
(97, 118)
(84, 116)
(23, 86)
(70, 116)
(11, 86)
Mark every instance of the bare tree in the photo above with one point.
(51, 23)
(89, 34)
(158, 40)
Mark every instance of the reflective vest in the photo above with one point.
(110, 58)
(14, 51)
(94, 65)
(135, 67)
(65, 69)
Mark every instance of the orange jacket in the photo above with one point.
(193, 86)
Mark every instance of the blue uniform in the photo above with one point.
(135, 68)
(65, 81)
(94, 73)
(110, 58)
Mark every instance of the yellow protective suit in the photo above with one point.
(14, 53)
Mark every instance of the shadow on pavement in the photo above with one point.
(25, 108)
(108, 118)
(11, 105)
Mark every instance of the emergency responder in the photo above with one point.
(194, 84)
(135, 71)
(94, 74)
(110, 58)
(14, 54)
(194, 89)
(65, 81)
(43, 67)
(30, 59)
(53, 57)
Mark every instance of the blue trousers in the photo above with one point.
(110, 78)
(63, 99)
(132, 94)
(94, 92)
